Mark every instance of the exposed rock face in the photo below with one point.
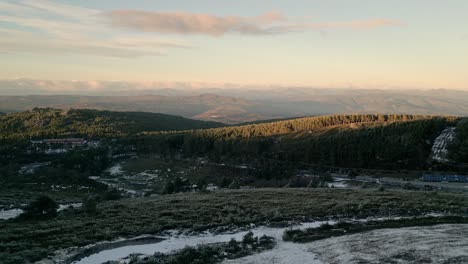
(439, 149)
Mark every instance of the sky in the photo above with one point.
(334, 43)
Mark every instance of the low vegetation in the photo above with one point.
(62, 184)
(29, 240)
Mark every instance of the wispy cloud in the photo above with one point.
(190, 23)
(41, 26)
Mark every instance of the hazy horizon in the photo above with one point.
(27, 86)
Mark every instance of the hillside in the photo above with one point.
(361, 141)
(47, 122)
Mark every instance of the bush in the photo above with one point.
(112, 194)
(233, 246)
(89, 205)
(43, 206)
(234, 185)
(248, 239)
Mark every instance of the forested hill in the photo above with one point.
(360, 141)
(47, 122)
(311, 124)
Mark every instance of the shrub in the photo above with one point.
(112, 194)
(89, 205)
(43, 206)
(248, 239)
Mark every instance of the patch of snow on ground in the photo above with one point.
(338, 184)
(430, 244)
(284, 252)
(179, 242)
(71, 205)
(115, 170)
(11, 213)
(373, 246)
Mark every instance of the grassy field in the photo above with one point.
(23, 241)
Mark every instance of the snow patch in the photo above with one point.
(429, 244)
(115, 170)
(175, 242)
(9, 214)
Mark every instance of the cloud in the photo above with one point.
(204, 24)
(41, 26)
(188, 23)
(64, 10)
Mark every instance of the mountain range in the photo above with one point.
(228, 104)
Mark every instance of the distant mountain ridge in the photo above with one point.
(240, 106)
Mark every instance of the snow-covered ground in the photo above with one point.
(131, 183)
(66, 206)
(283, 253)
(175, 242)
(439, 148)
(115, 170)
(10, 213)
(430, 244)
(338, 184)
(13, 213)
(433, 244)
